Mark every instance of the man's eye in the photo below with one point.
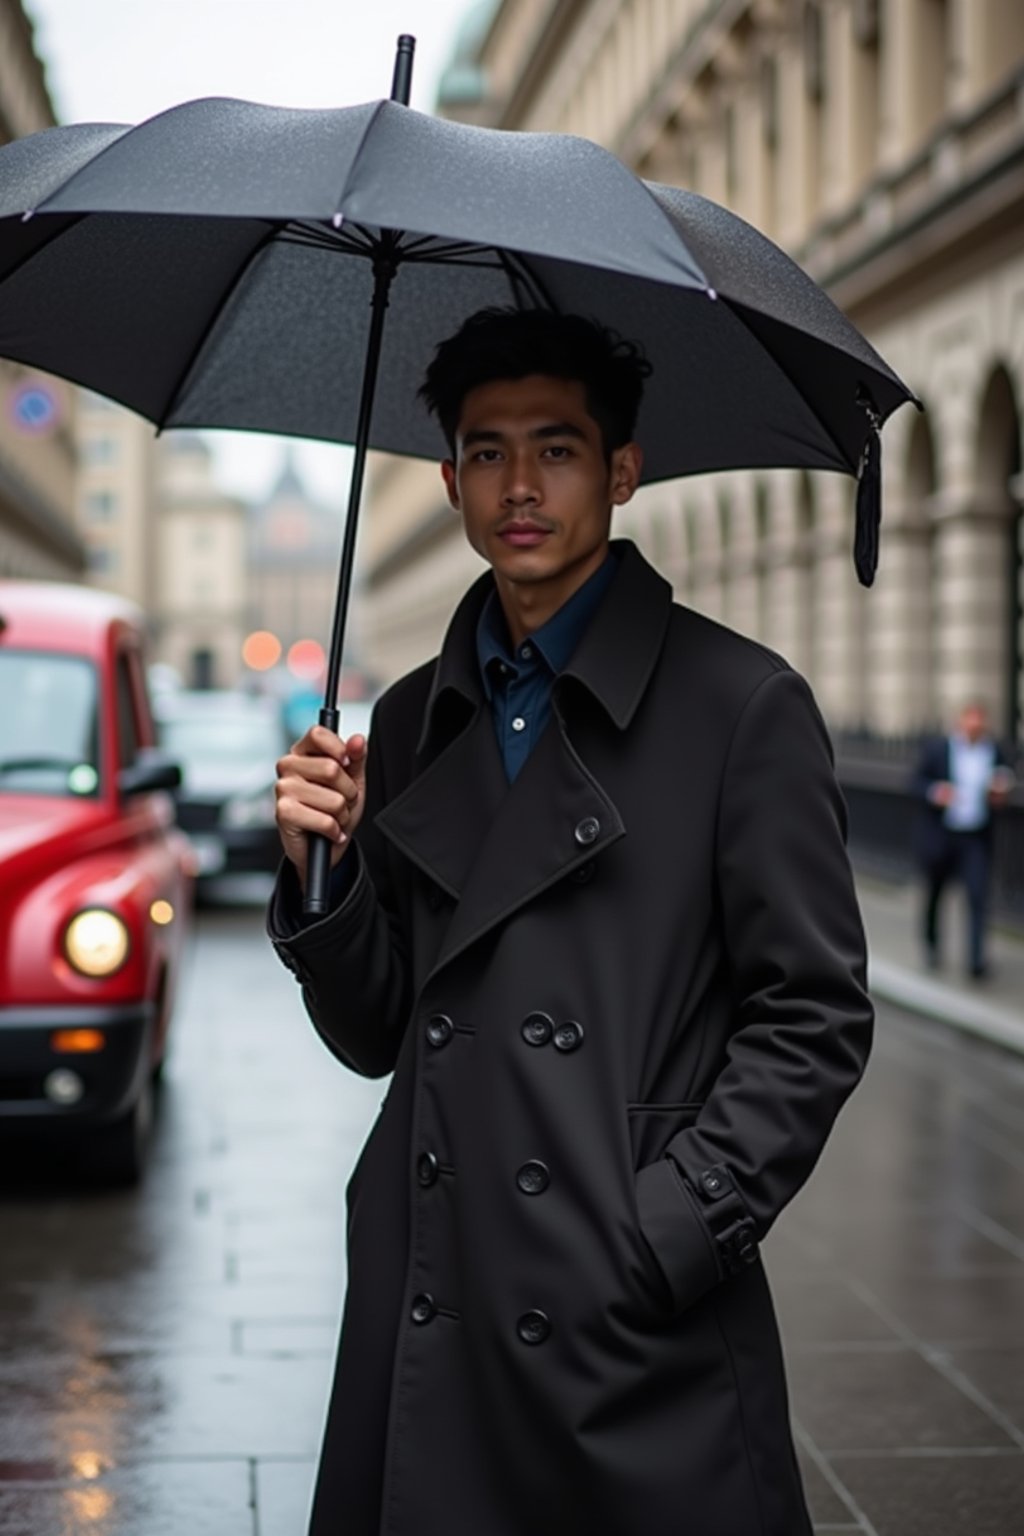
(485, 456)
(557, 451)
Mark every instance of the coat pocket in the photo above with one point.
(652, 1127)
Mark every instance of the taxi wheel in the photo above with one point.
(118, 1151)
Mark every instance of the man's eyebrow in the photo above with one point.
(560, 429)
(550, 429)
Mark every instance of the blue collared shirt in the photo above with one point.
(518, 685)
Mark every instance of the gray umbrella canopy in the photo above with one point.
(213, 267)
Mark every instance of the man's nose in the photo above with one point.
(521, 486)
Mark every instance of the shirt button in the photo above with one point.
(537, 1028)
(587, 830)
(533, 1178)
(423, 1309)
(519, 724)
(568, 1036)
(439, 1030)
(534, 1327)
(426, 1169)
(526, 652)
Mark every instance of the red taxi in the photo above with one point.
(95, 879)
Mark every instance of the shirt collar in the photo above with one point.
(557, 639)
(613, 661)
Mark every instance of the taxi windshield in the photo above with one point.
(49, 729)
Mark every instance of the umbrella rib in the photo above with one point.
(518, 272)
(320, 238)
(184, 374)
(734, 307)
(73, 220)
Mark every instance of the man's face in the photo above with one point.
(973, 722)
(531, 479)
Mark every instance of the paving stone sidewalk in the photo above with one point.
(992, 1007)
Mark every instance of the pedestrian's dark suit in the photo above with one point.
(623, 1000)
(946, 854)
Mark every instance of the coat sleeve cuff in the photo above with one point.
(676, 1233)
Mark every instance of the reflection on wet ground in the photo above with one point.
(165, 1354)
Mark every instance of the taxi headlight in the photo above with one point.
(96, 942)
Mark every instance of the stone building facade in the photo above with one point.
(38, 536)
(880, 142)
(199, 606)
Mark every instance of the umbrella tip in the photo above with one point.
(401, 84)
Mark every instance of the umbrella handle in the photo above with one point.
(318, 860)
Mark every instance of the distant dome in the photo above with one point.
(463, 79)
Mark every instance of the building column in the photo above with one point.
(838, 607)
(971, 614)
(898, 629)
(787, 591)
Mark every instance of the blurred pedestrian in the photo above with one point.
(961, 779)
(599, 923)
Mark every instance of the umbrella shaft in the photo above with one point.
(384, 268)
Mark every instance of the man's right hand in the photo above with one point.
(321, 787)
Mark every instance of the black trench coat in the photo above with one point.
(623, 1000)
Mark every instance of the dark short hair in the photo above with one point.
(512, 344)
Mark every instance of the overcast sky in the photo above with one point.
(123, 60)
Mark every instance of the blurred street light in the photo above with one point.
(306, 659)
(261, 650)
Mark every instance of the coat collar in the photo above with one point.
(614, 660)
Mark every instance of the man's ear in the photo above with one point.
(627, 467)
(450, 483)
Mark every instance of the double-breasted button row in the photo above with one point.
(539, 1028)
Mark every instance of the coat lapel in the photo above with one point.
(555, 817)
(443, 817)
(492, 846)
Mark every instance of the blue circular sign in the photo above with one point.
(34, 409)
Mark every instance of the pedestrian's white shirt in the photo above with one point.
(971, 765)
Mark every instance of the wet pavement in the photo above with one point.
(165, 1354)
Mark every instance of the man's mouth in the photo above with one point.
(523, 535)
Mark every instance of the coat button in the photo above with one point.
(439, 1030)
(426, 1169)
(712, 1182)
(587, 831)
(568, 1036)
(423, 1309)
(534, 1327)
(533, 1178)
(537, 1028)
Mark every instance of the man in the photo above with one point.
(598, 919)
(960, 779)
